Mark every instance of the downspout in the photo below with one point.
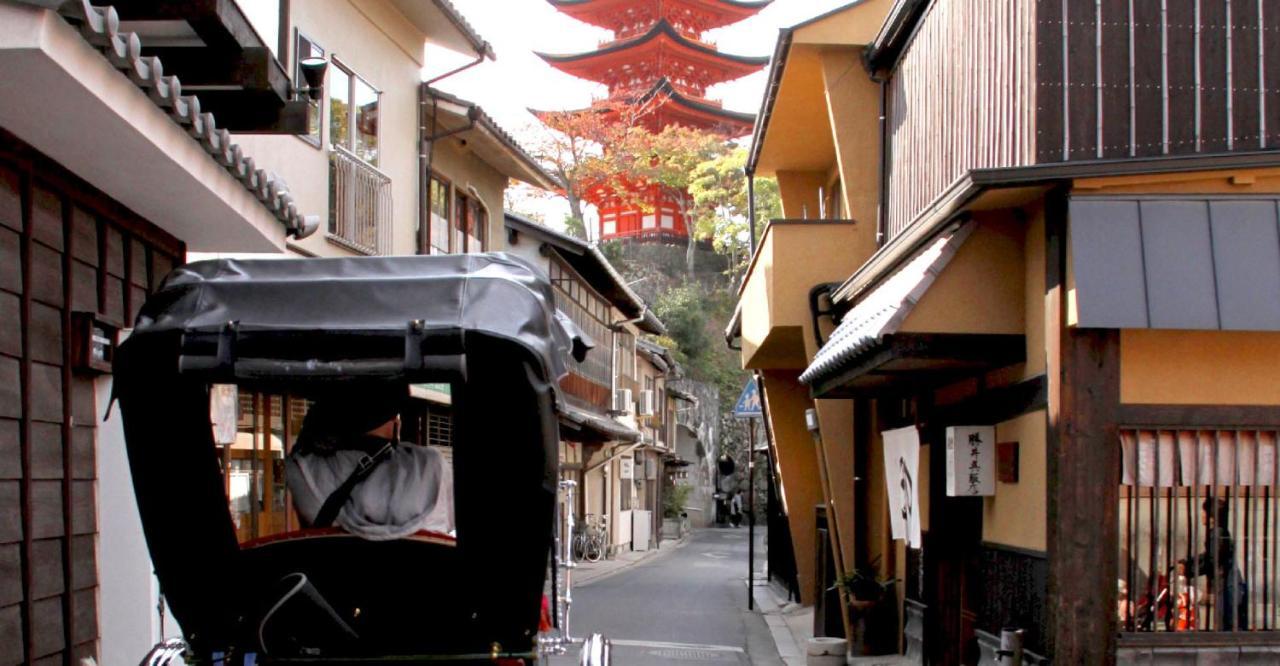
(751, 207)
(426, 147)
(882, 217)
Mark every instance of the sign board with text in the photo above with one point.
(971, 461)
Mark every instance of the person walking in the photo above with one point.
(735, 509)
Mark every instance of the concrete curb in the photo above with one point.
(594, 572)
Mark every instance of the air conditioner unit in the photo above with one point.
(622, 401)
(646, 403)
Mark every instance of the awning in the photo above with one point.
(866, 352)
(1204, 263)
(579, 425)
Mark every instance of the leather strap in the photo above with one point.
(333, 503)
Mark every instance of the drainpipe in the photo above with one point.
(751, 208)
(426, 146)
(882, 218)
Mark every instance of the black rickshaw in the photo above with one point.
(486, 325)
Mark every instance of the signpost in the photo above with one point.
(750, 407)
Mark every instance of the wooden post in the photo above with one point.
(1083, 471)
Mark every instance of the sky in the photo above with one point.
(519, 80)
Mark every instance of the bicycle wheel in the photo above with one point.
(594, 549)
(579, 546)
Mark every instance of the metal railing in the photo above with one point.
(359, 204)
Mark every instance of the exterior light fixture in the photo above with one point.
(313, 71)
(811, 420)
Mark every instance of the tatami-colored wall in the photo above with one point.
(853, 111)
(792, 259)
(786, 399)
(1015, 515)
(1199, 367)
(798, 191)
(981, 289)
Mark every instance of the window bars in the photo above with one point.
(1199, 530)
(359, 204)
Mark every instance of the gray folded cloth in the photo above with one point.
(409, 491)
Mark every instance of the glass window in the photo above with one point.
(460, 212)
(440, 197)
(1198, 530)
(339, 105)
(366, 125)
(305, 48)
(353, 113)
(478, 223)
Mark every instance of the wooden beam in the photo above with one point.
(1200, 416)
(1083, 475)
(253, 69)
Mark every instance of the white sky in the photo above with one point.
(519, 80)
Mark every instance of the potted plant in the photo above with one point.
(872, 605)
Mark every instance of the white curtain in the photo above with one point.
(1170, 458)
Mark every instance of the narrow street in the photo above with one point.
(688, 605)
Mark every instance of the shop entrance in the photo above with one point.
(952, 564)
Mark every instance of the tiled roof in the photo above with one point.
(882, 312)
(100, 27)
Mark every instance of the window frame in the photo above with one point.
(429, 237)
(352, 76)
(315, 141)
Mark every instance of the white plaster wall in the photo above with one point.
(127, 587)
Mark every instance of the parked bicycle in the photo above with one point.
(590, 539)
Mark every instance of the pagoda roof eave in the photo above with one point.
(595, 12)
(659, 29)
(741, 123)
(665, 88)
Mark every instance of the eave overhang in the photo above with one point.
(495, 146)
(594, 11)
(592, 265)
(445, 26)
(580, 425)
(905, 363)
(81, 92)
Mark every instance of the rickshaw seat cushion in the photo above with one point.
(399, 597)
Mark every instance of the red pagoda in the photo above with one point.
(658, 62)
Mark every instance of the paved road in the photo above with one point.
(685, 606)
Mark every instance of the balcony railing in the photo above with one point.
(359, 204)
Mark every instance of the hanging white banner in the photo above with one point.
(902, 467)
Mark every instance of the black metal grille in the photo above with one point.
(1198, 530)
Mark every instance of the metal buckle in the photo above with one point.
(367, 461)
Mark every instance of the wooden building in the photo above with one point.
(1060, 245)
(131, 133)
(610, 424)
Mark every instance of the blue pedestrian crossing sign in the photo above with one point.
(748, 405)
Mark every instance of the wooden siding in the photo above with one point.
(63, 248)
(961, 98)
(1122, 78)
(997, 83)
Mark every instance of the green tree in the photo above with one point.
(719, 191)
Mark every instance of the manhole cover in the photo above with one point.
(688, 654)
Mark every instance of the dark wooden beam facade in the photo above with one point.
(1083, 475)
